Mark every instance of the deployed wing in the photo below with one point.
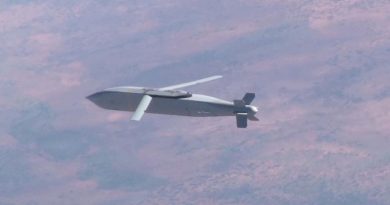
(147, 98)
(173, 87)
(142, 107)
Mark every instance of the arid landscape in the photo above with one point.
(320, 69)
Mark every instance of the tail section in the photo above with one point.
(244, 110)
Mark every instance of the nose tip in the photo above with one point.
(92, 97)
(89, 97)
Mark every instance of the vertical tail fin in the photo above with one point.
(248, 98)
(242, 120)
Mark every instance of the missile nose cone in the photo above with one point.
(92, 97)
(89, 97)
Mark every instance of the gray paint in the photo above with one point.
(196, 106)
(171, 102)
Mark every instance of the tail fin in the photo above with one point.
(248, 98)
(242, 120)
(243, 110)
